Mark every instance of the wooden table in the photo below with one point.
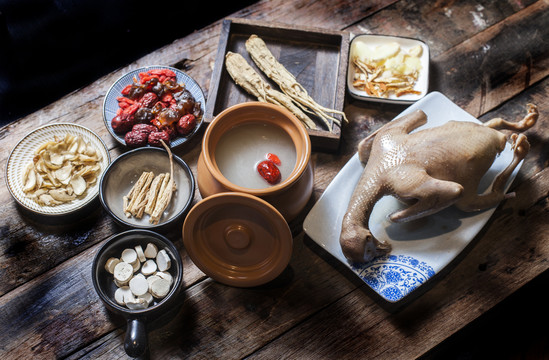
(491, 58)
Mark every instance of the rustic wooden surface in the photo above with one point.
(490, 57)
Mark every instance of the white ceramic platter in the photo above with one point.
(422, 83)
(421, 248)
(23, 153)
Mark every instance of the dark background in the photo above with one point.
(49, 48)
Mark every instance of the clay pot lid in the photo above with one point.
(237, 239)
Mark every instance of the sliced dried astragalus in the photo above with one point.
(62, 170)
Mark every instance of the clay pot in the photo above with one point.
(291, 195)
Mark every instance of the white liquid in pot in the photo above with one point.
(241, 148)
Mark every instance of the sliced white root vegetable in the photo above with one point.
(151, 250)
(129, 256)
(136, 265)
(139, 285)
(147, 297)
(123, 272)
(120, 283)
(140, 275)
(160, 288)
(110, 264)
(137, 290)
(137, 303)
(120, 295)
(151, 279)
(163, 260)
(149, 267)
(165, 275)
(140, 253)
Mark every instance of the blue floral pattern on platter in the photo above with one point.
(394, 276)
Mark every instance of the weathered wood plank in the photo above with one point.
(441, 24)
(498, 63)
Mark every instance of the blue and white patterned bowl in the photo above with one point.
(110, 104)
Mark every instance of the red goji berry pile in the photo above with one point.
(155, 99)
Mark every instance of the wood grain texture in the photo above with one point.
(489, 57)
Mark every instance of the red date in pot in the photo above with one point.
(269, 171)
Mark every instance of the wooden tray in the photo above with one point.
(317, 58)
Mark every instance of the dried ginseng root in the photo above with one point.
(246, 77)
(166, 191)
(265, 60)
(151, 194)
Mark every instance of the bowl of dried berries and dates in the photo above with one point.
(154, 103)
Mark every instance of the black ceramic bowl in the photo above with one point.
(136, 342)
(126, 169)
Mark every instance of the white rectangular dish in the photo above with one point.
(420, 248)
(406, 44)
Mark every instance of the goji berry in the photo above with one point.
(126, 90)
(275, 159)
(269, 171)
(165, 72)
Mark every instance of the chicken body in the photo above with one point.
(429, 170)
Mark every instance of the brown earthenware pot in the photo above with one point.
(291, 195)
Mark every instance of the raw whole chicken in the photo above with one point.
(428, 170)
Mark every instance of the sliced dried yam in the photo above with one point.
(110, 264)
(123, 272)
(121, 294)
(140, 253)
(139, 285)
(149, 267)
(129, 256)
(163, 260)
(151, 251)
(160, 288)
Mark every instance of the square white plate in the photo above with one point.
(421, 248)
(422, 83)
